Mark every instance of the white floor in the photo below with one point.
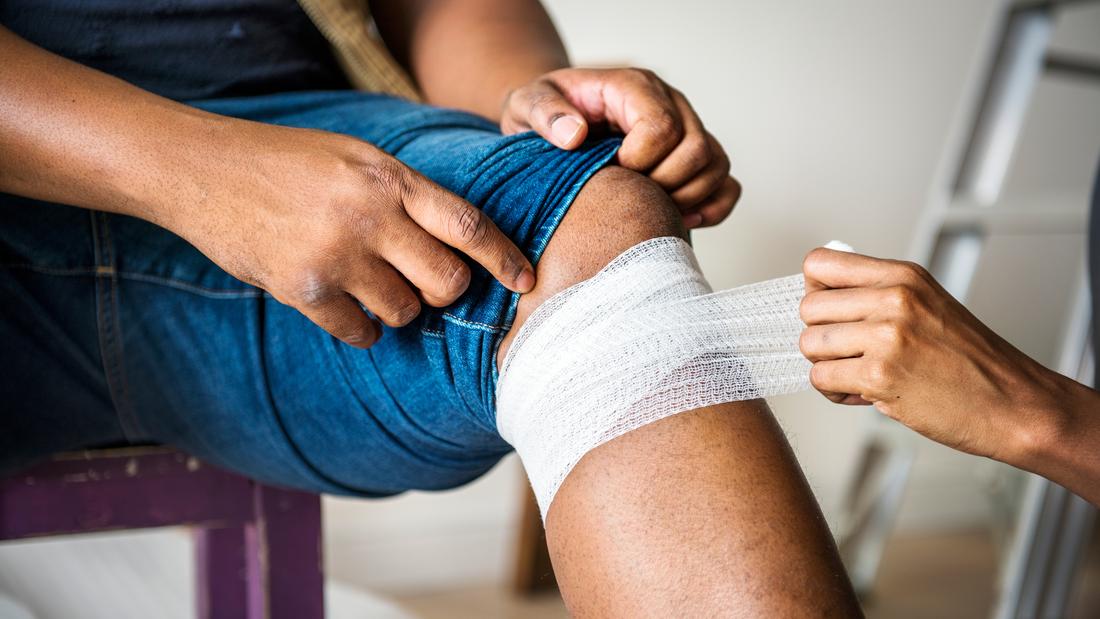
(133, 575)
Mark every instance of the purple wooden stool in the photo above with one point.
(257, 547)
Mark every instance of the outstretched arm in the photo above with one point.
(884, 332)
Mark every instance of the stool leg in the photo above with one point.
(220, 573)
(284, 555)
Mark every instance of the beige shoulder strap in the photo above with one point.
(366, 61)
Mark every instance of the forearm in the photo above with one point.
(469, 54)
(74, 135)
(1062, 442)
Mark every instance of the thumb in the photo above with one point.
(542, 107)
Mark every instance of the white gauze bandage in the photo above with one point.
(643, 339)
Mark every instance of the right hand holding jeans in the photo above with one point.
(326, 222)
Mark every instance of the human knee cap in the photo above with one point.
(643, 339)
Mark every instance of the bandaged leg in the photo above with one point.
(644, 339)
(701, 513)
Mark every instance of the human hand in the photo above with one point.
(325, 222)
(664, 137)
(884, 332)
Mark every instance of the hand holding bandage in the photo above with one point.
(884, 332)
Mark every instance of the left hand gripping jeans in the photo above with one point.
(115, 331)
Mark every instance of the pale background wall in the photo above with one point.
(838, 116)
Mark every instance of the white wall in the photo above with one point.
(837, 116)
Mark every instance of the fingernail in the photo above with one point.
(526, 281)
(564, 129)
(693, 220)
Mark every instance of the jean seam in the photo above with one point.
(479, 326)
(110, 346)
(123, 375)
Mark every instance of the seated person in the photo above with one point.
(191, 233)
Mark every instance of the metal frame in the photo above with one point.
(1053, 525)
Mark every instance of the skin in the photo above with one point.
(884, 332)
(702, 514)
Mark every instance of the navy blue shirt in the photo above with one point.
(185, 49)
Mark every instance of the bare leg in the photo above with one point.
(705, 513)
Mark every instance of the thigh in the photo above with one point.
(207, 363)
(430, 386)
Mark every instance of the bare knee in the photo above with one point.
(615, 210)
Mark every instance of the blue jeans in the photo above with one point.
(115, 331)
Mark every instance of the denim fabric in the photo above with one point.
(114, 330)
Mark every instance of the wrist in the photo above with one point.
(1047, 422)
(181, 167)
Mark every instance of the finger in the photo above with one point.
(716, 208)
(847, 399)
(827, 268)
(386, 294)
(839, 305)
(835, 341)
(542, 107)
(696, 151)
(638, 104)
(439, 275)
(342, 317)
(704, 185)
(840, 376)
(464, 227)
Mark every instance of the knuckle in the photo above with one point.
(665, 123)
(539, 103)
(891, 334)
(385, 174)
(356, 335)
(806, 342)
(911, 273)
(814, 259)
(309, 288)
(817, 377)
(469, 226)
(402, 313)
(453, 278)
(806, 307)
(735, 188)
(901, 301)
(880, 376)
(697, 153)
(642, 74)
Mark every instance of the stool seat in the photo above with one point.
(257, 547)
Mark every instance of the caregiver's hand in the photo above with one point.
(886, 333)
(325, 222)
(664, 137)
